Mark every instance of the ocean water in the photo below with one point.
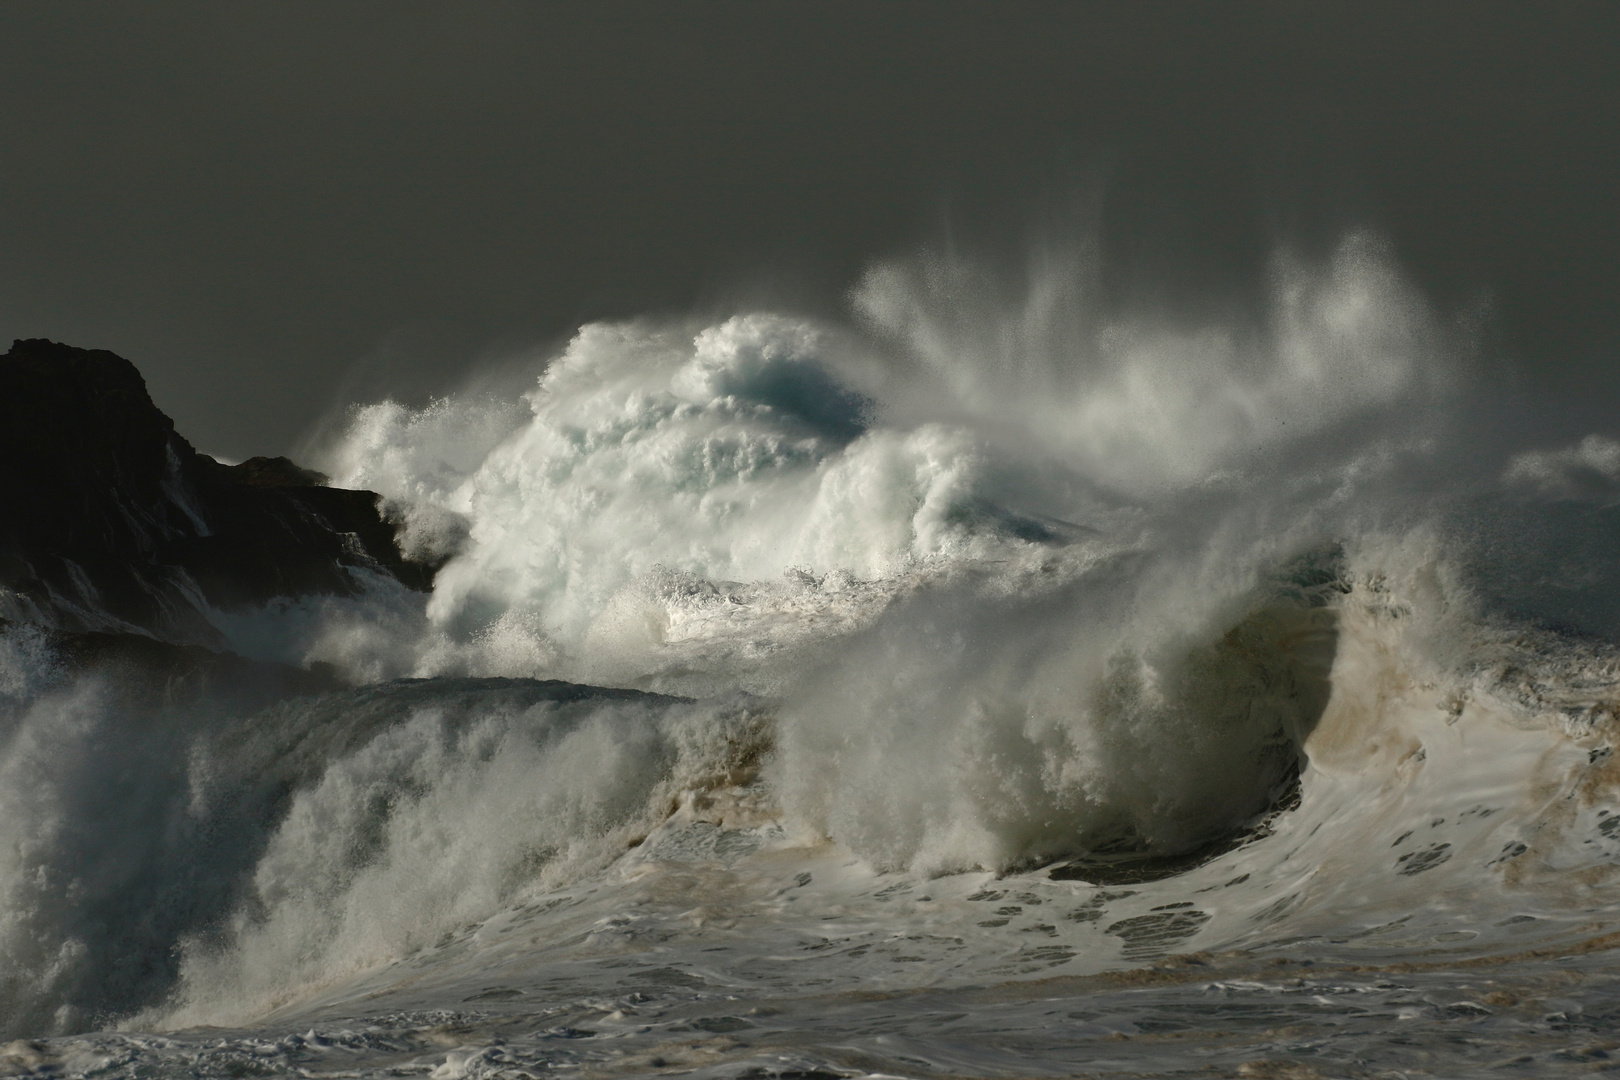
(988, 686)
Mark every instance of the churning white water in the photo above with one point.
(1004, 687)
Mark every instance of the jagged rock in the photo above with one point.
(110, 520)
(276, 472)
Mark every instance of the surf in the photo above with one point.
(985, 638)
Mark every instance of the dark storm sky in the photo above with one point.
(270, 207)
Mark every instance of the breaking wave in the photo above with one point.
(987, 581)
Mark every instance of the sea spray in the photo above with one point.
(989, 592)
(965, 433)
(432, 807)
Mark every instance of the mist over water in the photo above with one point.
(988, 578)
(953, 425)
(987, 534)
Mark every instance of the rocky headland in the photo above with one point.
(113, 525)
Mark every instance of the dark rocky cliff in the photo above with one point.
(110, 520)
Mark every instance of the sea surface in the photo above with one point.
(982, 687)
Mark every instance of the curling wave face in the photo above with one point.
(988, 585)
(1000, 546)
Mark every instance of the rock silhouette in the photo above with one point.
(111, 521)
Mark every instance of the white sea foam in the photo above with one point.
(997, 543)
(1019, 580)
(750, 456)
(434, 825)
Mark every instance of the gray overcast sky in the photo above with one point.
(269, 206)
